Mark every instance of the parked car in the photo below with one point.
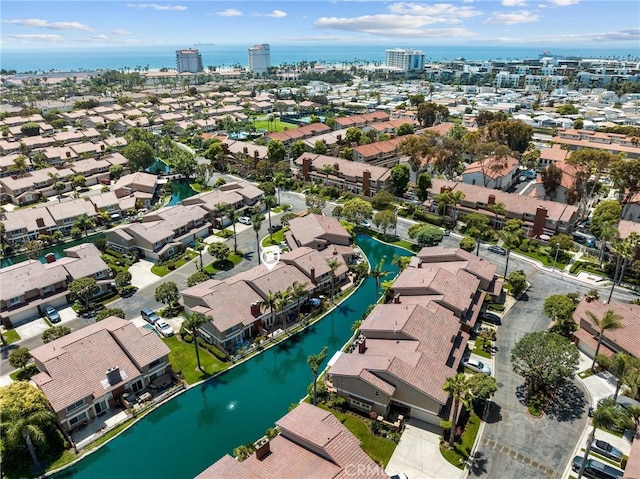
(607, 450)
(596, 469)
(497, 249)
(366, 224)
(402, 475)
(477, 366)
(149, 316)
(164, 328)
(52, 314)
(245, 220)
(274, 228)
(491, 318)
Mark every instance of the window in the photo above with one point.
(16, 300)
(46, 289)
(360, 404)
(100, 274)
(80, 417)
(156, 362)
(75, 405)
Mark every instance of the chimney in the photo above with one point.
(366, 183)
(245, 150)
(444, 188)
(113, 375)
(419, 263)
(263, 448)
(102, 147)
(255, 309)
(491, 200)
(339, 138)
(336, 166)
(40, 222)
(306, 167)
(255, 154)
(539, 221)
(396, 298)
(312, 272)
(362, 345)
(50, 257)
(68, 154)
(225, 148)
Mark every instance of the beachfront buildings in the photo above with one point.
(405, 60)
(29, 286)
(259, 59)
(124, 360)
(311, 442)
(189, 61)
(407, 348)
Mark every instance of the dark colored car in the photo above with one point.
(491, 318)
(149, 315)
(607, 450)
(596, 469)
(274, 228)
(497, 249)
(52, 314)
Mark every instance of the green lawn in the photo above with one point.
(226, 233)
(479, 351)
(546, 260)
(272, 126)
(224, 265)
(377, 448)
(163, 269)
(24, 374)
(461, 451)
(278, 237)
(11, 336)
(183, 359)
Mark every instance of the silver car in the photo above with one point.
(477, 366)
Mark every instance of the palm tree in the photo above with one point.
(623, 366)
(401, 261)
(508, 239)
(315, 360)
(256, 223)
(29, 428)
(297, 292)
(377, 273)
(270, 302)
(233, 215)
(457, 386)
(84, 223)
(193, 322)
(610, 321)
(58, 185)
(270, 202)
(333, 264)
(386, 288)
(280, 180)
(199, 246)
(284, 299)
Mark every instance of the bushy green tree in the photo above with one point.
(83, 289)
(196, 278)
(467, 243)
(106, 312)
(54, 333)
(19, 358)
(518, 281)
(167, 293)
(400, 176)
(357, 210)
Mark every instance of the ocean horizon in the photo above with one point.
(156, 57)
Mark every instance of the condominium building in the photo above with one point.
(406, 60)
(189, 61)
(259, 59)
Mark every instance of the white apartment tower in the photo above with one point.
(189, 61)
(259, 59)
(406, 60)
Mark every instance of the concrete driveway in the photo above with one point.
(418, 454)
(141, 274)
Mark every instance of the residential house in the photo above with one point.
(482, 173)
(317, 232)
(239, 196)
(311, 442)
(125, 359)
(614, 143)
(34, 185)
(162, 233)
(66, 213)
(27, 224)
(287, 137)
(360, 121)
(625, 339)
(142, 186)
(359, 178)
(381, 153)
(30, 285)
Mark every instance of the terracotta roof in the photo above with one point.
(311, 227)
(458, 258)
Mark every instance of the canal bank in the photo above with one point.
(201, 425)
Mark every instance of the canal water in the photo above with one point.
(180, 189)
(58, 250)
(184, 436)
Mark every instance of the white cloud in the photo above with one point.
(121, 32)
(391, 25)
(514, 3)
(36, 37)
(273, 14)
(521, 16)
(564, 3)
(230, 12)
(98, 38)
(39, 23)
(443, 10)
(155, 6)
(630, 35)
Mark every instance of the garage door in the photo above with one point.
(425, 416)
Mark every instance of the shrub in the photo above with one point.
(468, 244)
(428, 217)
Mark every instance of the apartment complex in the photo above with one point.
(259, 59)
(189, 61)
(405, 60)
(124, 359)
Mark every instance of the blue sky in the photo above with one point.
(548, 23)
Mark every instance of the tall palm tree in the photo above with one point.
(333, 264)
(509, 238)
(386, 288)
(58, 185)
(457, 386)
(280, 180)
(28, 429)
(256, 223)
(284, 299)
(297, 292)
(401, 261)
(270, 202)
(233, 215)
(378, 273)
(193, 322)
(315, 360)
(610, 321)
(623, 366)
(199, 246)
(270, 302)
(84, 223)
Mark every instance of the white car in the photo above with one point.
(245, 220)
(477, 366)
(164, 328)
(366, 224)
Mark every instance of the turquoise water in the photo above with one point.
(180, 190)
(183, 437)
(58, 250)
(157, 167)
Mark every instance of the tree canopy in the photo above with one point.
(54, 333)
(357, 210)
(139, 154)
(83, 289)
(400, 176)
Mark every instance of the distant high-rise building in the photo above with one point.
(406, 60)
(189, 61)
(259, 59)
